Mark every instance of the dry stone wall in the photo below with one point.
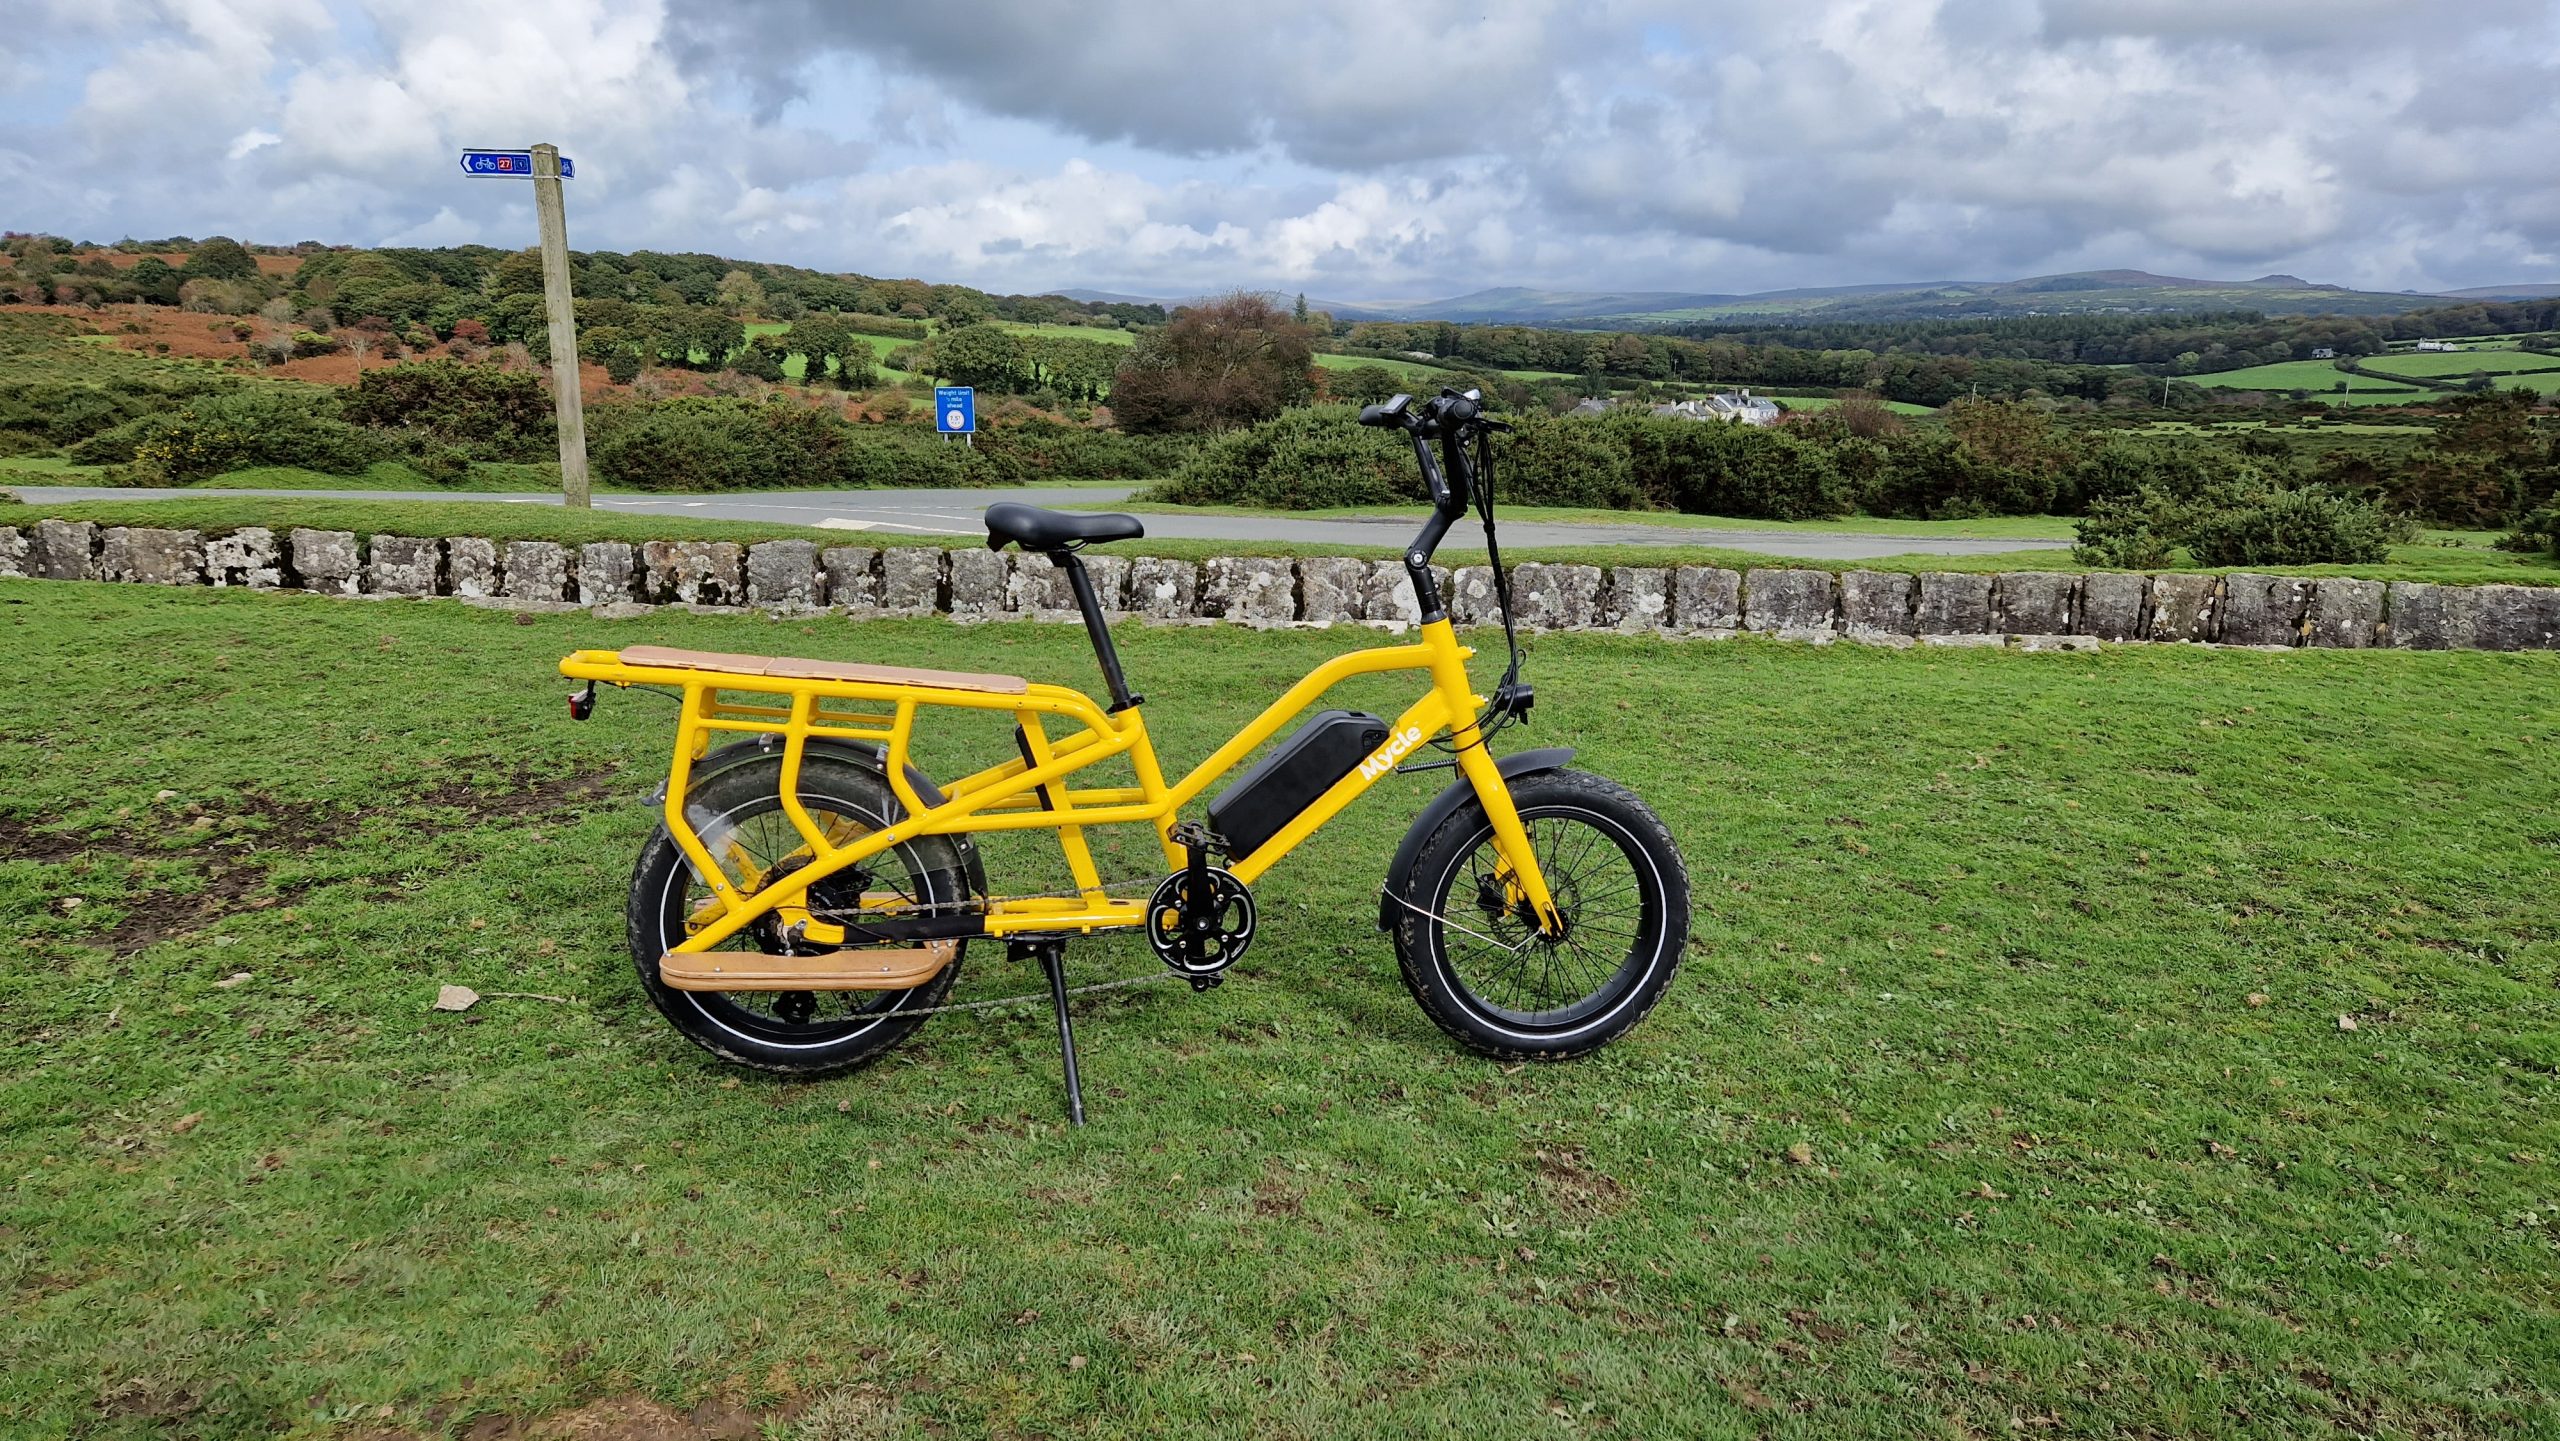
(2040, 609)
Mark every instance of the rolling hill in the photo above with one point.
(2082, 292)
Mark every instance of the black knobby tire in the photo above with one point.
(804, 1033)
(1472, 958)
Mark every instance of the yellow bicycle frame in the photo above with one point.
(1028, 794)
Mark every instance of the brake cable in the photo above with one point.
(1511, 698)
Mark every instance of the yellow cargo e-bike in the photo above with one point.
(805, 904)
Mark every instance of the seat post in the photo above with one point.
(1096, 629)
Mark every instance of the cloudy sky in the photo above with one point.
(1352, 150)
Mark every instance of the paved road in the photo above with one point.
(956, 512)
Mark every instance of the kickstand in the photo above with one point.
(1052, 957)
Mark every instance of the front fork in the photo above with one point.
(1522, 879)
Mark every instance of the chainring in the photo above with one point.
(1226, 927)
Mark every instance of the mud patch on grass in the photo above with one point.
(230, 852)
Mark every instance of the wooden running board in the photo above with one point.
(835, 971)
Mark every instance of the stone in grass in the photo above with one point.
(1787, 601)
(247, 557)
(1636, 598)
(1877, 603)
(1250, 589)
(2183, 607)
(539, 570)
(977, 581)
(13, 553)
(404, 566)
(2263, 609)
(853, 575)
(606, 572)
(2111, 605)
(693, 572)
(911, 578)
(1954, 603)
(783, 575)
(2034, 602)
(470, 567)
(1387, 595)
(1163, 589)
(1555, 597)
(1329, 589)
(149, 555)
(322, 561)
(1706, 597)
(2345, 614)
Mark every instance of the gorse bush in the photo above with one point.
(239, 429)
(1706, 468)
(2250, 518)
(2296, 527)
(708, 443)
(496, 414)
(1312, 458)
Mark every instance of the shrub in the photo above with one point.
(1564, 462)
(2537, 534)
(1042, 449)
(1709, 468)
(498, 414)
(1306, 459)
(251, 427)
(2246, 521)
(701, 443)
(2296, 527)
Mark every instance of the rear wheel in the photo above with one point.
(738, 814)
(1470, 947)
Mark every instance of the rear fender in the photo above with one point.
(859, 754)
(1445, 805)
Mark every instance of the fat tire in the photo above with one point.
(1663, 884)
(662, 868)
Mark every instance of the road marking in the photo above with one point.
(837, 522)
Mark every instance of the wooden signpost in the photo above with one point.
(546, 167)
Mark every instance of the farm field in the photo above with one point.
(2006, 1077)
(2443, 365)
(1825, 402)
(2317, 376)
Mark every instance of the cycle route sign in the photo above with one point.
(509, 162)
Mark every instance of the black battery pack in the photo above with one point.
(1284, 783)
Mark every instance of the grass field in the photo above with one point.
(2468, 563)
(2005, 1089)
(2454, 365)
(1825, 402)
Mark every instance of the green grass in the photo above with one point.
(1985, 934)
(1071, 332)
(2441, 365)
(2472, 565)
(1825, 402)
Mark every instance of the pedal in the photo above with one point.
(1200, 920)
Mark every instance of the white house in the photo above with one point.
(1740, 407)
(2439, 345)
(2324, 352)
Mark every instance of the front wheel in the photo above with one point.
(1471, 950)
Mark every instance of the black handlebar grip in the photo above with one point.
(1388, 413)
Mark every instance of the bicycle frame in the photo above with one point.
(1030, 792)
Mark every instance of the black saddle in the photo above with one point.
(1032, 528)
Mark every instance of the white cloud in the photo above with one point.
(1331, 145)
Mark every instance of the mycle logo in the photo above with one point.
(1390, 753)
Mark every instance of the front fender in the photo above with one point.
(1444, 805)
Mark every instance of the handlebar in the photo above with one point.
(1451, 418)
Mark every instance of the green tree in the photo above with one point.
(221, 258)
(980, 355)
(1224, 363)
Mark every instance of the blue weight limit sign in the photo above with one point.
(955, 409)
